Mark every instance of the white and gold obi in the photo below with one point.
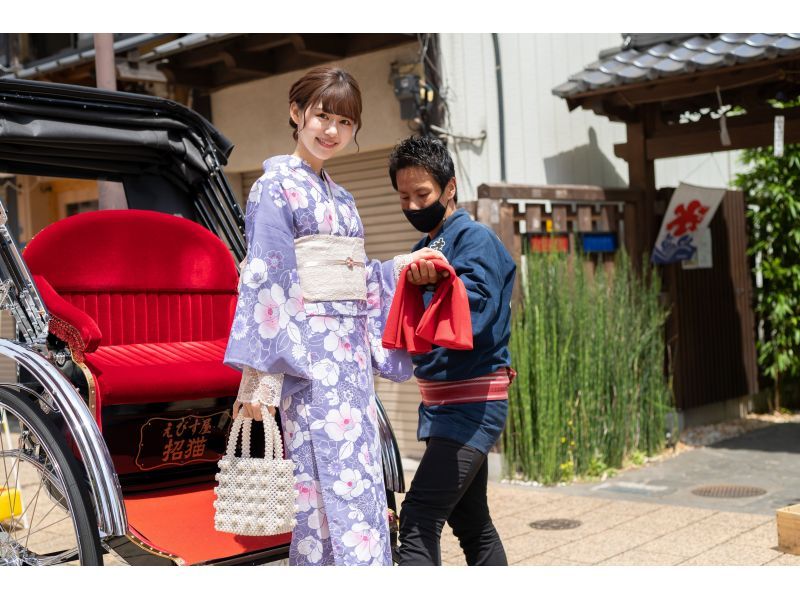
(331, 268)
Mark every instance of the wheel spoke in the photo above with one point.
(33, 515)
(5, 467)
(41, 529)
(48, 514)
(57, 559)
(36, 458)
(16, 481)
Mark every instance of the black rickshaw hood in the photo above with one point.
(107, 128)
(168, 157)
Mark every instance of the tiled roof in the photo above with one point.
(634, 63)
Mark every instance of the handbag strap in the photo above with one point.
(273, 445)
(272, 436)
(241, 428)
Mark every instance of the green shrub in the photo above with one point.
(589, 353)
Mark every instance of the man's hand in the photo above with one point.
(422, 272)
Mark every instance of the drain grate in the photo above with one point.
(556, 524)
(728, 491)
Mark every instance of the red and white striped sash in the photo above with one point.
(491, 387)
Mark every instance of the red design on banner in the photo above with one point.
(687, 218)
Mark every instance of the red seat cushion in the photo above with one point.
(180, 521)
(142, 373)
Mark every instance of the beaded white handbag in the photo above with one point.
(255, 497)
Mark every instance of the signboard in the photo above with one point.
(690, 210)
(703, 256)
(165, 442)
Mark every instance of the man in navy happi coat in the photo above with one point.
(464, 392)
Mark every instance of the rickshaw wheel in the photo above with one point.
(46, 514)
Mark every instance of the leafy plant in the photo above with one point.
(772, 185)
(589, 352)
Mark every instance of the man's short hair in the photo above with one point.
(426, 152)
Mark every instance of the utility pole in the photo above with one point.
(111, 194)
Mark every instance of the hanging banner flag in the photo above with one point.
(689, 212)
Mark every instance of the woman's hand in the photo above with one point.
(251, 410)
(422, 272)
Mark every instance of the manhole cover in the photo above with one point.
(555, 524)
(728, 491)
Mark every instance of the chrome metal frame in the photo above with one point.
(18, 293)
(105, 487)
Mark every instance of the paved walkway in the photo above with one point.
(649, 515)
(622, 532)
(767, 459)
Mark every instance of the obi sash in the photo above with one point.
(490, 387)
(331, 268)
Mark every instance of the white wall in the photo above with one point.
(545, 142)
(706, 170)
(255, 115)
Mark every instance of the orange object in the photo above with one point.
(548, 243)
(180, 521)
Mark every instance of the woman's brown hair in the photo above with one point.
(334, 88)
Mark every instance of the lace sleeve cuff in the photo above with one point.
(400, 262)
(259, 387)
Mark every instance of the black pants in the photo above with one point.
(450, 485)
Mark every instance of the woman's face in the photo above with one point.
(322, 134)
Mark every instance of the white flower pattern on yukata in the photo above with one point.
(364, 539)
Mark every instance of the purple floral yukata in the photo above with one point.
(322, 355)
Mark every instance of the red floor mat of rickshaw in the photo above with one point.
(180, 521)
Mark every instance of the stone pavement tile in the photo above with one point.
(743, 521)
(507, 501)
(643, 557)
(786, 559)
(732, 554)
(627, 507)
(665, 520)
(513, 525)
(691, 540)
(503, 507)
(599, 547)
(570, 508)
(592, 523)
(456, 560)
(531, 544)
(549, 561)
(579, 503)
(449, 543)
(765, 536)
(531, 495)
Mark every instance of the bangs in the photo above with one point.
(340, 99)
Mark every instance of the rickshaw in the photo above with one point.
(112, 430)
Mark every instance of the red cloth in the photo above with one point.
(446, 322)
(81, 330)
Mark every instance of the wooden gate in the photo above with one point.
(711, 331)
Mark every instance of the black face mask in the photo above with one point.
(428, 218)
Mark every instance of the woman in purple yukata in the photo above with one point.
(307, 329)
